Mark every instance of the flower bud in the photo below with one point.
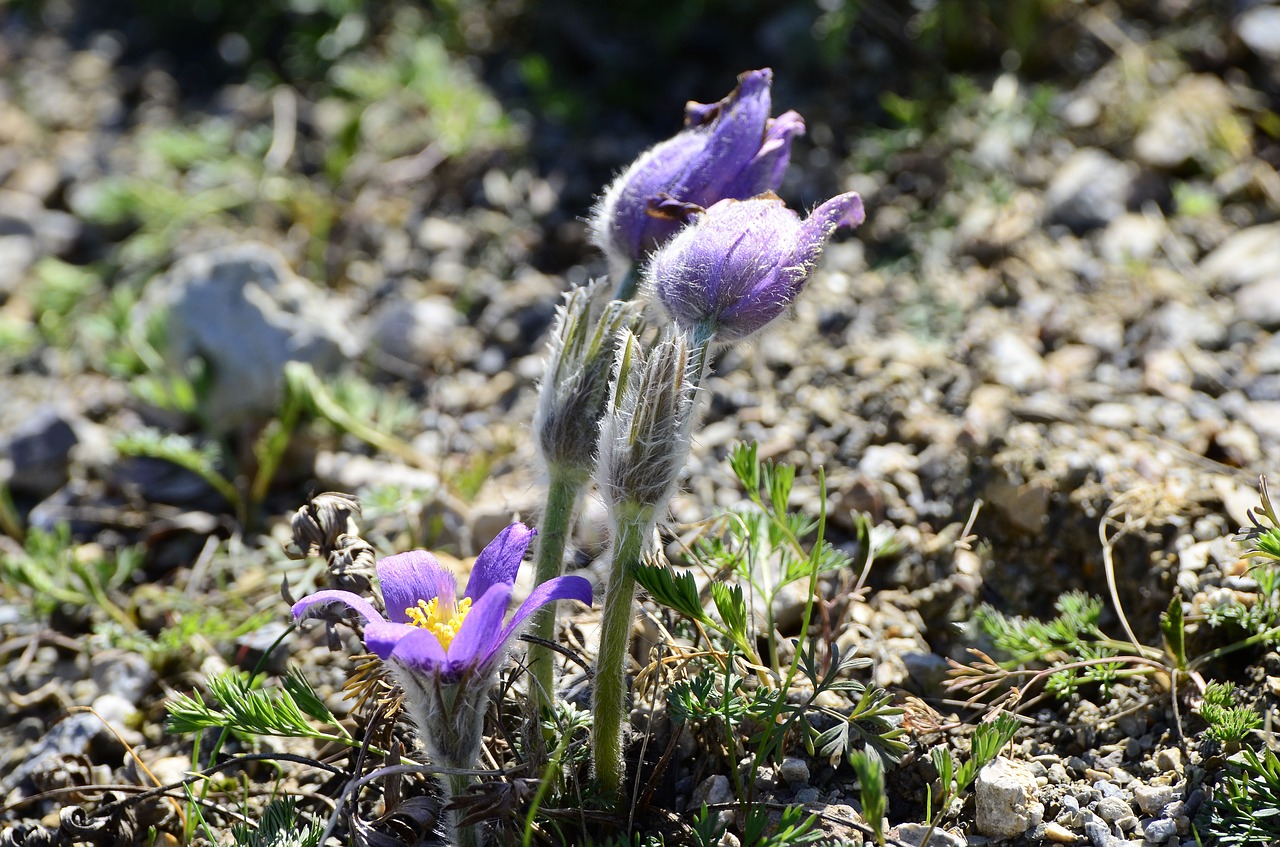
(741, 263)
(727, 149)
(645, 434)
(575, 386)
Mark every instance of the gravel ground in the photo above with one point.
(1063, 306)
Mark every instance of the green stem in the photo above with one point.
(628, 285)
(610, 706)
(553, 533)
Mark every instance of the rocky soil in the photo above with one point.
(1063, 306)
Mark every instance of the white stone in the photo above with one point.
(1249, 255)
(914, 833)
(1151, 799)
(1005, 796)
(714, 790)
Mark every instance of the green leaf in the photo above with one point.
(675, 591)
(732, 608)
(305, 695)
(944, 763)
(870, 770)
(746, 466)
(278, 827)
(1171, 625)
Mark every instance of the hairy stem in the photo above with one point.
(455, 785)
(553, 533)
(610, 705)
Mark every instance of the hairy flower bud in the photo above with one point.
(645, 434)
(727, 149)
(741, 263)
(575, 386)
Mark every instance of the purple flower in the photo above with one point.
(730, 149)
(431, 630)
(741, 263)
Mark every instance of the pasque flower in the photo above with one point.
(728, 149)
(431, 630)
(740, 263)
(445, 650)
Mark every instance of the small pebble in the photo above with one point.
(1160, 830)
(1112, 809)
(1099, 833)
(1152, 799)
(1108, 789)
(1058, 833)
(914, 833)
(794, 770)
(808, 795)
(1169, 759)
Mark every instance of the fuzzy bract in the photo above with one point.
(740, 263)
(575, 386)
(728, 149)
(646, 432)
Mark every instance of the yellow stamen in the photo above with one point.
(444, 622)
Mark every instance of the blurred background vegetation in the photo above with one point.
(586, 73)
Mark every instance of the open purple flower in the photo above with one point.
(444, 650)
(727, 149)
(433, 631)
(741, 263)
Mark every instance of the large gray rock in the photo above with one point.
(243, 311)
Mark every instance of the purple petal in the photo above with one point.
(766, 170)
(749, 84)
(733, 140)
(382, 637)
(499, 561)
(622, 220)
(479, 631)
(313, 603)
(406, 578)
(557, 588)
(418, 649)
(843, 210)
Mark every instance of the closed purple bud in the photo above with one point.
(730, 149)
(741, 263)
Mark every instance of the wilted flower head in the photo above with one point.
(445, 650)
(727, 149)
(645, 434)
(741, 263)
(575, 387)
